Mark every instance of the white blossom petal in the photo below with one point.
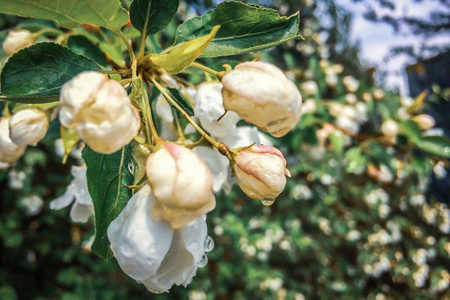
(139, 242)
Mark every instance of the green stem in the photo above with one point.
(204, 68)
(144, 31)
(149, 117)
(127, 44)
(180, 109)
(49, 30)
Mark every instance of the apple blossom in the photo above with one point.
(209, 108)
(425, 122)
(309, 87)
(260, 172)
(28, 126)
(217, 163)
(150, 250)
(261, 94)
(32, 205)
(16, 40)
(389, 128)
(350, 83)
(181, 183)
(309, 106)
(9, 151)
(77, 192)
(99, 110)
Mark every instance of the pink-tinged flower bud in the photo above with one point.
(181, 183)
(261, 172)
(17, 40)
(425, 122)
(99, 110)
(9, 151)
(28, 126)
(261, 94)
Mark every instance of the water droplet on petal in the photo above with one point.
(209, 244)
(267, 202)
(203, 262)
(155, 291)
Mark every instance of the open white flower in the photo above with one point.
(77, 192)
(150, 251)
(9, 151)
(261, 94)
(217, 163)
(99, 110)
(167, 129)
(209, 108)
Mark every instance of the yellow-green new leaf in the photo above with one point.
(70, 139)
(70, 13)
(179, 57)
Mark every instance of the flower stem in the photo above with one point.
(204, 68)
(49, 30)
(180, 109)
(144, 31)
(127, 44)
(143, 102)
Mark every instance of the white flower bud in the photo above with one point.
(309, 106)
(261, 94)
(389, 128)
(181, 183)
(209, 108)
(28, 126)
(261, 172)
(150, 251)
(99, 110)
(309, 87)
(17, 40)
(350, 83)
(9, 151)
(425, 122)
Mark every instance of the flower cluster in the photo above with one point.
(160, 236)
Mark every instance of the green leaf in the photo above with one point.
(437, 145)
(411, 130)
(244, 28)
(379, 154)
(181, 101)
(356, 160)
(107, 177)
(177, 58)
(41, 70)
(152, 16)
(337, 139)
(29, 99)
(70, 13)
(81, 45)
